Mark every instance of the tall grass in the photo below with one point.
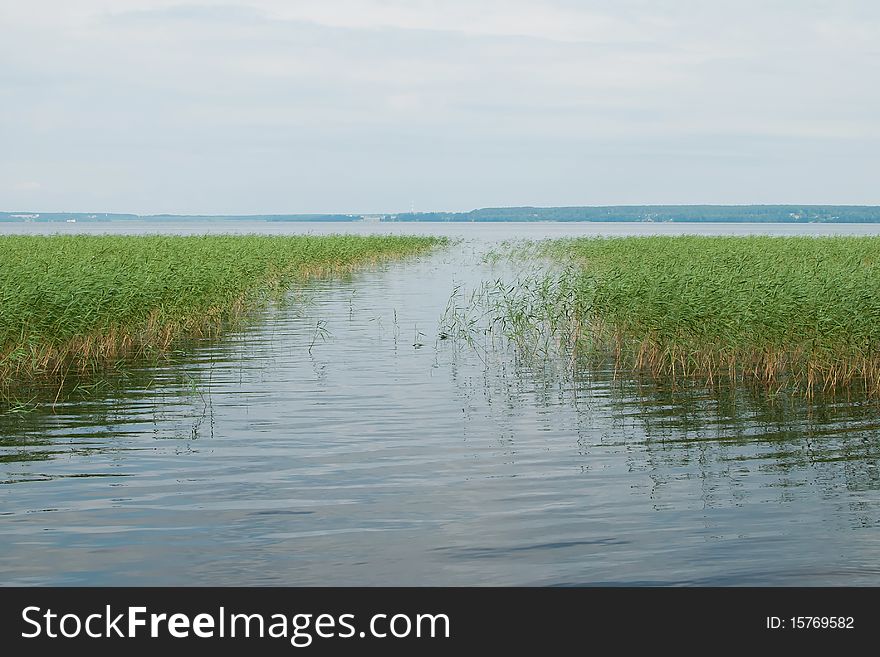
(82, 302)
(797, 312)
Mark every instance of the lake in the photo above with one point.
(335, 439)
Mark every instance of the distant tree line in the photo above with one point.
(689, 213)
(683, 213)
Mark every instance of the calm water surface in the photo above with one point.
(384, 455)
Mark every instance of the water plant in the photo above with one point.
(75, 304)
(795, 312)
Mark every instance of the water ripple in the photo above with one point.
(388, 456)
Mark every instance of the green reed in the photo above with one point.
(82, 302)
(799, 312)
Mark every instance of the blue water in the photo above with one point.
(387, 456)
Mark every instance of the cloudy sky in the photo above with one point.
(258, 106)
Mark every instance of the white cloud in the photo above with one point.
(167, 104)
(26, 186)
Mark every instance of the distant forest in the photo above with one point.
(687, 213)
(681, 213)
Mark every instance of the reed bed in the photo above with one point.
(789, 312)
(81, 303)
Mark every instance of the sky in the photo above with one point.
(290, 106)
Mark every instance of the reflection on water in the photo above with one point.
(388, 456)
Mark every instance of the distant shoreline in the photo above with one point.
(793, 214)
